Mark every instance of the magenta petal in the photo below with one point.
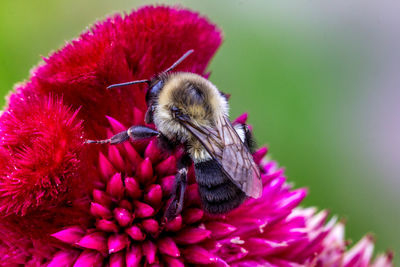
(269, 177)
(318, 220)
(116, 126)
(117, 260)
(133, 188)
(219, 262)
(115, 157)
(152, 151)
(174, 225)
(115, 186)
(261, 262)
(106, 226)
(241, 119)
(89, 258)
(173, 262)
(153, 195)
(145, 171)
(132, 154)
(219, 229)
(69, 235)
(149, 251)
(262, 247)
(150, 226)
(360, 254)
(106, 168)
(135, 233)
(192, 235)
(167, 246)
(96, 241)
(198, 255)
(192, 215)
(117, 242)
(138, 116)
(167, 166)
(233, 251)
(133, 256)
(192, 196)
(100, 211)
(64, 258)
(270, 190)
(142, 210)
(126, 204)
(260, 154)
(314, 244)
(384, 260)
(167, 184)
(102, 197)
(292, 199)
(156, 263)
(123, 216)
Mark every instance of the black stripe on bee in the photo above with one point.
(217, 192)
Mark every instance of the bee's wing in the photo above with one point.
(225, 146)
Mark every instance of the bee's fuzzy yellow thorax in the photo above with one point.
(194, 96)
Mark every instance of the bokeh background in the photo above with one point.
(320, 80)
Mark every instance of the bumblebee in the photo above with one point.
(189, 110)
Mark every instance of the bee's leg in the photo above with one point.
(178, 192)
(136, 132)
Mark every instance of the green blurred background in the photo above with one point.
(319, 81)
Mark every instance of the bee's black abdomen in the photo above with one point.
(219, 203)
(217, 192)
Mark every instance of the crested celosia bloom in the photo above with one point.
(64, 203)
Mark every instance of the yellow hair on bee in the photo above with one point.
(195, 97)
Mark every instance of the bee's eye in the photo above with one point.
(154, 90)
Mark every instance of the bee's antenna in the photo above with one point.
(173, 66)
(179, 61)
(128, 83)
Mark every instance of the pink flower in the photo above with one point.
(63, 203)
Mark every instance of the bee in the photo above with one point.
(189, 110)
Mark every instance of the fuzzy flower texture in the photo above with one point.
(64, 203)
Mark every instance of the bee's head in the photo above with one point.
(182, 93)
(155, 86)
(186, 96)
(189, 94)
